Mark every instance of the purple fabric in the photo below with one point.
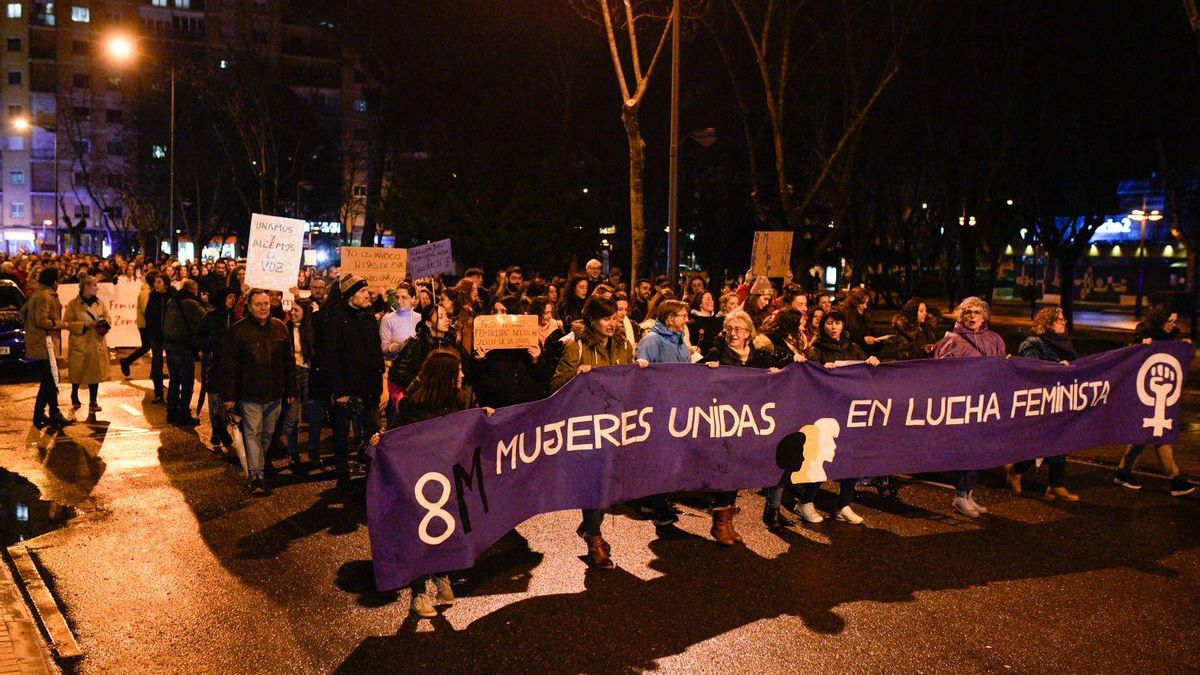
(441, 491)
(962, 342)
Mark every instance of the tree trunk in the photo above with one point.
(785, 190)
(1066, 263)
(637, 191)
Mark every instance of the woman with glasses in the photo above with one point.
(1048, 342)
(971, 337)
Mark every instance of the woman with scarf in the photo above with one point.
(597, 344)
(743, 347)
(1049, 342)
(703, 322)
(915, 333)
(436, 331)
(858, 323)
(832, 348)
(87, 357)
(971, 338)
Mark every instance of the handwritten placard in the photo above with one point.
(273, 259)
(381, 267)
(430, 259)
(772, 254)
(121, 300)
(310, 257)
(506, 331)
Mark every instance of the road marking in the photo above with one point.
(131, 410)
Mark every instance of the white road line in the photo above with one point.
(131, 410)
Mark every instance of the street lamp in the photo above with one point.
(1141, 215)
(121, 49)
(23, 125)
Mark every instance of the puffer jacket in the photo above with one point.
(407, 364)
(910, 340)
(825, 350)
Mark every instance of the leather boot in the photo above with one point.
(775, 520)
(722, 527)
(597, 555)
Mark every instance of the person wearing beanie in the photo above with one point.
(351, 361)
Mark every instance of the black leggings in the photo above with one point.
(93, 391)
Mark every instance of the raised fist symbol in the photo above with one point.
(1163, 381)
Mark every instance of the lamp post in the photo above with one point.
(121, 49)
(22, 125)
(1141, 215)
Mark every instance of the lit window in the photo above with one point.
(183, 4)
(360, 190)
(81, 14)
(223, 64)
(158, 152)
(16, 143)
(16, 177)
(360, 105)
(14, 10)
(16, 210)
(114, 84)
(159, 3)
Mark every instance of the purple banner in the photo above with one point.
(440, 492)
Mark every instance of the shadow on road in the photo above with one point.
(622, 623)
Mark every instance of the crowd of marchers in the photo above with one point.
(363, 359)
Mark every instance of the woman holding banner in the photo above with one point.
(597, 343)
(832, 349)
(971, 337)
(1048, 342)
(434, 332)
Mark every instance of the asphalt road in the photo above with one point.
(169, 566)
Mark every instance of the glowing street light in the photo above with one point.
(119, 48)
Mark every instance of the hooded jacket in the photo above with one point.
(962, 342)
(181, 322)
(663, 345)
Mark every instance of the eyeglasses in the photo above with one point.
(680, 315)
(738, 329)
(971, 312)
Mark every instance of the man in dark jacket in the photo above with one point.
(256, 374)
(155, 313)
(351, 363)
(181, 331)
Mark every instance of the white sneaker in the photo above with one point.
(978, 507)
(848, 515)
(445, 593)
(809, 513)
(422, 607)
(965, 506)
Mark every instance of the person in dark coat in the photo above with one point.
(257, 375)
(156, 307)
(859, 329)
(703, 323)
(181, 332)
(1049, 342)
(1159, 324)
(434, 332)
(914, 331)
(505, 377)
(832, 346)
(351, 367)
(212, 337)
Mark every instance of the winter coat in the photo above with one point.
(407, 364)
(349, 353)
(143, 299)
(256, 362)
(663, 345)
(589, 348)
(156, 307)
(42, 316)
(87, 350)
(762, 354)
(506, 377)
(408, 412)
(1154, 331)
(781, 353)
(181, 323)
(825, 350)
(858, 328)
(910, 340)
(962, 342)
(1042, 349)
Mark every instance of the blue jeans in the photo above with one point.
(965, 482)
(181, 364)
(258, 423)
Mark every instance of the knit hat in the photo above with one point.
(349, 284)
(762, 286)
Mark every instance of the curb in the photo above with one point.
(51, 618)
(22, 649)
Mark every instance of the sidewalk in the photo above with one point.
(22, 650)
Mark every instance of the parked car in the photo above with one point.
(12, 331)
